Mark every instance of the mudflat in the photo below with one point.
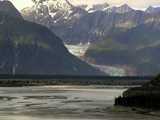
(65, 103)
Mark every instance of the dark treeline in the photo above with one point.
(6, 76)
(146, 96)
(39, 80)
(149, 101)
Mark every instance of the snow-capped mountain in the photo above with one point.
(75, 24)
(29, 48)
(53, 12)
(120, 29)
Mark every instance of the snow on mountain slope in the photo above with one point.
(78, 50)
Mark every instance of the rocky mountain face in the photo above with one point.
(153, 9)
(75, 24)
(136, 48)
(134, 43)
(8, 8)
(58, 15)
(122, 9)
(29, 48)
(119, 36)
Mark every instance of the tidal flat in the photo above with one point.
(65, 103)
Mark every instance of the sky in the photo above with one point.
(137, 4)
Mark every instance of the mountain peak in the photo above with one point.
(99, 7)
(8, 8)
(124, 8)
(121, 9)
(152, 9)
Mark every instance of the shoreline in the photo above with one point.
(69, 82)
(143, 111)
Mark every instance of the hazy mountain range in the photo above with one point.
(29, 48)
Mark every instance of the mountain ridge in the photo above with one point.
(8, 8)
(133, 48)
(112, 30)
(79, 25)
(30, 48)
